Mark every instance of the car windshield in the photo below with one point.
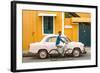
(68, 39)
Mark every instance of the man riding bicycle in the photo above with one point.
(60, 47)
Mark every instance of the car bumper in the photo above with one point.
(84, 52)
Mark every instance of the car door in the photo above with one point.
(66, 41)
(51, 43)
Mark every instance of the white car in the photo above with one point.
(48, 46)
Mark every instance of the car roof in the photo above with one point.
(51, 35)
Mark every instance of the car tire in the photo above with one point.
(54, 53)
(67, 52)
(76, 52)
(42, 54)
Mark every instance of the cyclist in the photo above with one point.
(60, 47)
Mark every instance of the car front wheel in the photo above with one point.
(76, 53)
(43, 54)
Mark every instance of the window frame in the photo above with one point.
(43, 26)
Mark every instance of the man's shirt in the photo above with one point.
(58, 40)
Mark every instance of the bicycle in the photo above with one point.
(57, 52)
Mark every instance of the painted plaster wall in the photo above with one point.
(32, 26)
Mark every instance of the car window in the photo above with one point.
(51, 39)
(68, 40)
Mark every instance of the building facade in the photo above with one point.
(37, 24)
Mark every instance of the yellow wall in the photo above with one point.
(58, 22)
(32, 26)
(68, 31)
(71, 33)
(75, 31)
(29, 21)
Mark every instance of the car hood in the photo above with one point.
(76, 43)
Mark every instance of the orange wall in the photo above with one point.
(71, 33)
(32, 26)
(58, 22)
(29, 21)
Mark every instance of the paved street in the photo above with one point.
(35, 59)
